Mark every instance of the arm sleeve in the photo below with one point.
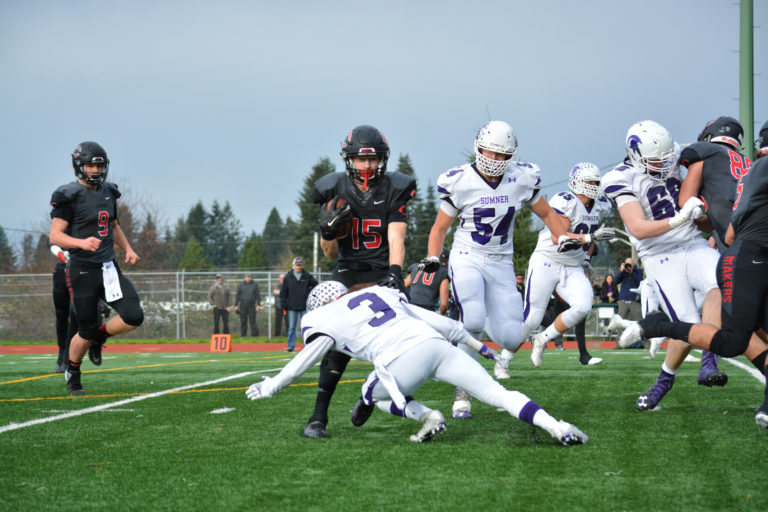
(304, 360)
(452, 330)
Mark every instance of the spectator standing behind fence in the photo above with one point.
(220, 298)
(608, 292)
(627, 278)
(280, 314)
(293, 297)
(247, 304)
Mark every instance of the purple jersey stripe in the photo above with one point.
(671, 310)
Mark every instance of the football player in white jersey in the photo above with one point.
(677, 260)
(407, 345)
(562, 272)
(487, 196)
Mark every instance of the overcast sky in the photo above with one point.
(236, 100)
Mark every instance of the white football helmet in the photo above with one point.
(651, 148)
(581, 175)
(496, 136)
(325, 292)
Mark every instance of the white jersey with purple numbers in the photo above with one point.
(487, 210)
(357, 323)
(583, 220)
(626, 183)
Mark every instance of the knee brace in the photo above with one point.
(729, 343)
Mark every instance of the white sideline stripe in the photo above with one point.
(749, 369)
(97, 408)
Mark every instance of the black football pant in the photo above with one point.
(742, 274)
(86, 285)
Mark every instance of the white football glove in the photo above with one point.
(255, 391)
(604, 233)
(566, 243)
(691, 206)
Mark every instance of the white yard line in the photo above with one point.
(102, 407)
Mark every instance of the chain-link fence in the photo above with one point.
(175, 304)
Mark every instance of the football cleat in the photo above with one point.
(651, 397)
(710, 375)
(761, 416)
(315, 429)
(361, 412)
(462, 405)
(74, 387)
(592, 361)
(569, 435)
(501, 368)
(616, 324)
(94, 353)
(539, 344)
(655, 346)
(433, 424)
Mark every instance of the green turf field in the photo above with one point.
(206, 447)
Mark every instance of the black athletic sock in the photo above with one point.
(331, 369)
(759, 361)
(581, 341)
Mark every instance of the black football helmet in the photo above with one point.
(365, 140)
(761, 144)
(724, 129)
(90, 153)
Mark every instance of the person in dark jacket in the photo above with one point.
(293, 297)
(626, 279)
(608, 292)
(280, 314)
(247, 304)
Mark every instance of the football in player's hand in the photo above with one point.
(346, 227)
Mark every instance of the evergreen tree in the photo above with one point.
(42, 260)
(423, 217)
(524, 239)
(7, 265)
(196, 226)
(304, 232)
(148, 246)
(25, 258)
(273, 238)
(195, 257)
(224, 236)
(253, 255)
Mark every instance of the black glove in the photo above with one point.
(331, 219)
(430, 264)
(394, 279)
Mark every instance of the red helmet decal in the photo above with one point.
(383, 138)
(349, 137)
(368, 150)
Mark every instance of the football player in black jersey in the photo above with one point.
(427, 287)
(84, 220)
(376, 203)
(743, 282)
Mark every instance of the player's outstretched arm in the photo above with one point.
(304, 360)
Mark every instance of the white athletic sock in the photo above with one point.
(666, 369)
(551, 333)
(507, 355)
(413, 409)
